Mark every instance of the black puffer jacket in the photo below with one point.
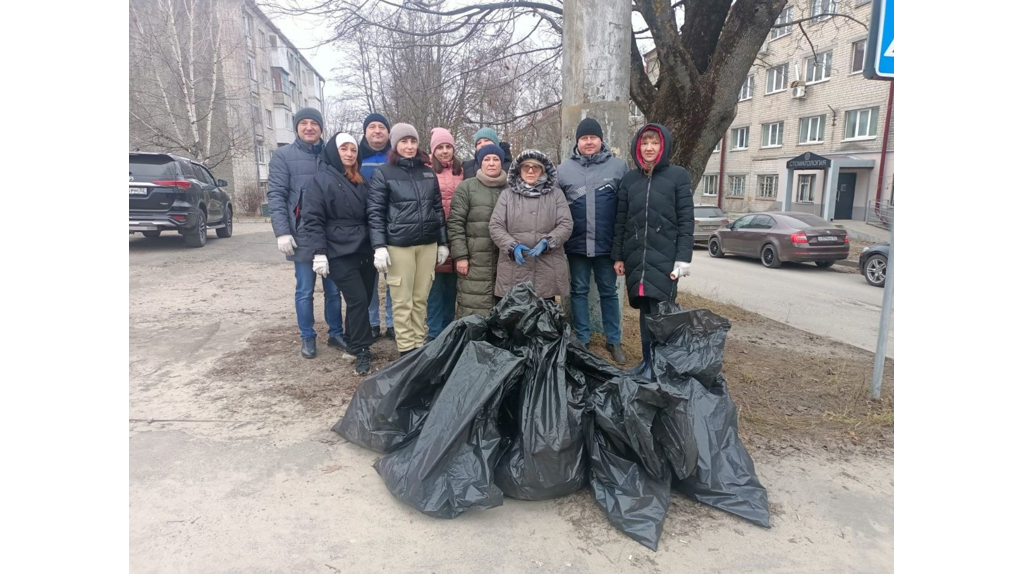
(654, 223)
(405, 205)
(334, 211)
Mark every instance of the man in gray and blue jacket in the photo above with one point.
(292, 167)
(590, 180)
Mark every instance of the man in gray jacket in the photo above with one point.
(590, 179)
(292, 167)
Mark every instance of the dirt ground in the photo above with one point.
(232, 465)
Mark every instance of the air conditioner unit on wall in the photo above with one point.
(799, 90)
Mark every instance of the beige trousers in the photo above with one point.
(410, 275)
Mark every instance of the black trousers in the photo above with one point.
(356, 278)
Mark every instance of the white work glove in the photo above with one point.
(286, 244)
(442, 254)
(381, 259)
(681, 269)
(320, 266)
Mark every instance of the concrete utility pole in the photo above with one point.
(595, 84)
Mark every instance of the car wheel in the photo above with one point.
(770, 257)
(225, 232)
(197, 238)
(824, 264)
(874, 270)
(715, 248)
(151, 234)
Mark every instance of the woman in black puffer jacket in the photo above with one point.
(334, 226)
(407, 231)
(653, 242)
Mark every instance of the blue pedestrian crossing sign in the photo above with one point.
(881, 53)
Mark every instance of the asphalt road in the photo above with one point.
(827, 302)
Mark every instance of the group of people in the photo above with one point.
(452, 237)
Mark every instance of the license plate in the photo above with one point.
(709, 227)
(136, 191)
(828, 238)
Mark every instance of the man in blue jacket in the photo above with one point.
(373, 153)
(291, 168)
(590, 180)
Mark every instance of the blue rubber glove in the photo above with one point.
(540, 248)
(518, 253)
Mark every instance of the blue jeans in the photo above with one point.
(440, 304)
(375, 306)
(580, 268)
(305, 281)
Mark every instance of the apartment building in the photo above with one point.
(807, 105)
(281, 82)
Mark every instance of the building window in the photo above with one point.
(737, 185)
(805, 188)
(819, 69)
(718, 147)
(783, 23)
(820, 9)
(254, 103)
(857, 60)
(747, 91)
(270, 118)
(767, 186)
(266, 79)
(778, 79)
(273, 41)
(250, 64)
(812, 129)
(771, 134)
(634, 113)
(260, 153)
(710, 185)
(862, 124)
(263, 39)
(740, 138)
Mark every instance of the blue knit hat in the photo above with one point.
(488, 150)
(375, 117)
(485, 134)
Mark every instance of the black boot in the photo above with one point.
(390, 333)
(309, 348)
(375, 332)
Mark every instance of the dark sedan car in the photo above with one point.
(171, 193)
(873, 262)
(778, 236)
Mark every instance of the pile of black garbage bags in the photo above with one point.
(513, 405)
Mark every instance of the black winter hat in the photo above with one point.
(589, 127)
(375, 117)
(308, 114)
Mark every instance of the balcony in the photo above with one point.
(279, 57)
(283, 100)
(284, 135)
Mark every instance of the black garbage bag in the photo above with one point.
(545, 415)
(688, 350)
(449, 467)
(389, 407)
(630, 474)
(725, 476)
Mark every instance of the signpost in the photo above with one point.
(880, 63)
(881, 46)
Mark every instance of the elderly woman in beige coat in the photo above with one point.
(530, 224)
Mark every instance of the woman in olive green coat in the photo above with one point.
(476, 257)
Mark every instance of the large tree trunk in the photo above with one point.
(701, 70)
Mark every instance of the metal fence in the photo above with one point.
(880, 214)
